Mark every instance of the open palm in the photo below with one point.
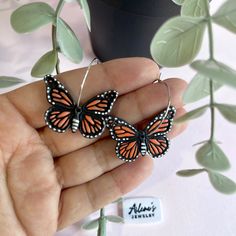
(50, 180)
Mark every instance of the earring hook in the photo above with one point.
(85, 78)
(158, 80)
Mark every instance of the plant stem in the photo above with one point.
(54, 33)
(212, 111)
(211, 83)
(54, 45)
(211, 41)
(59, 7)
(102, 224)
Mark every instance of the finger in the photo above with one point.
(79, 201)
(177, 129)
(94, 160)
(133, 107)
(149, 100)
(123, 75)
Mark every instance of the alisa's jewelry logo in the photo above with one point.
(142, 210)
(137, 211)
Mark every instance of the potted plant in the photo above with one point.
(123, 28)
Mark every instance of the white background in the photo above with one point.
(190, 205)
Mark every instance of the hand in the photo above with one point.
(49, 180)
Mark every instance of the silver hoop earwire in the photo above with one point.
(85, 77)
(158, 80)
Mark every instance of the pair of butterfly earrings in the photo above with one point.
(93, 117)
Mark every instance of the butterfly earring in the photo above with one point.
(152, 140)
(64, 113)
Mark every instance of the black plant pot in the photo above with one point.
(125, 28)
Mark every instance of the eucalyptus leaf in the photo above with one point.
(178, 2)
(31, 16)
(199, 88)
(7, 81)
(194, 8)
(228, 111)
(217, 71)
(68, 42)
(85, 7)
(192, 114)
(178, 41)
(211, 156)
(45, 65)
(190, 172)
(115, 219)
(90, 225)
(226, 16)
(222, 183)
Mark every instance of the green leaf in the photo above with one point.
(194, 8)
(91, 225)
(211, 156)
(226, 16)
(222, 183)
(217, 71)
(178, 2)
(68, 42)
(85, 7)
(45, 65)
(199, 88)
(7, 81)
(178, 41)
(31, 16)
(115, 219)
(192, 114)
(228, 111)
(190, 172)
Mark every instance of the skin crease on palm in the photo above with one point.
(48, 180)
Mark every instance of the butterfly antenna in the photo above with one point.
(85, 78)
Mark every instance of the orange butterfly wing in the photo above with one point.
(127, 151)
(102, 103)
(126, 137)
(157, 142)
(92, 121)
(120, 130)
(57, 94)
(157, 146)
(57, 119)
(59, 116)
(160, 126)
(91, 126)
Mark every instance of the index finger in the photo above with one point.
(122, 75)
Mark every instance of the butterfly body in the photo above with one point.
(64, 113)
(142, 142)
(76, 119)
(152, 140)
